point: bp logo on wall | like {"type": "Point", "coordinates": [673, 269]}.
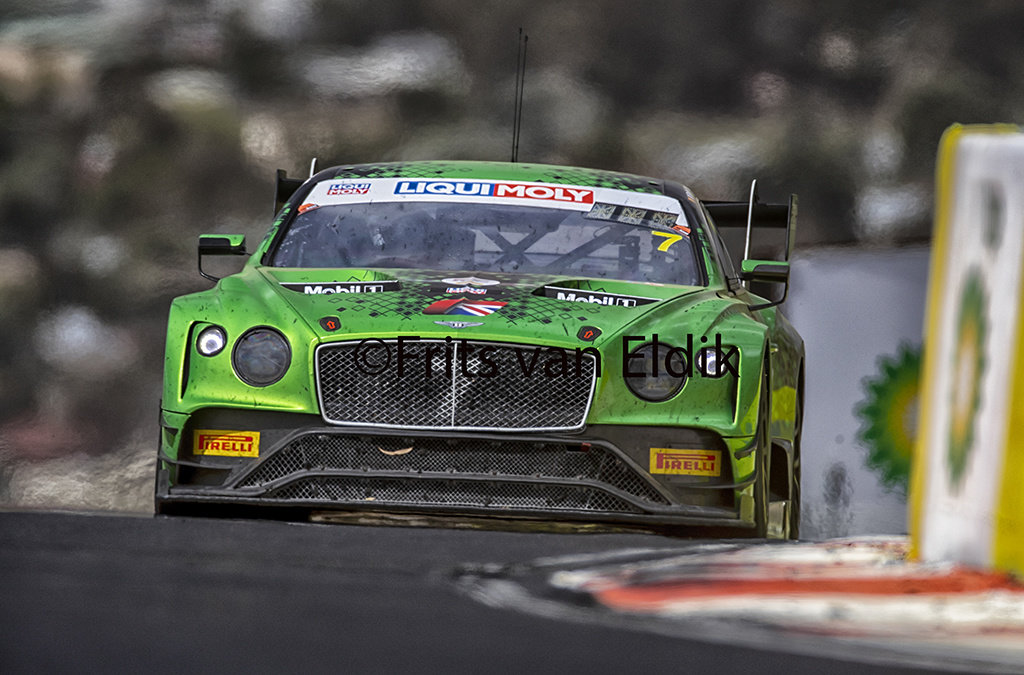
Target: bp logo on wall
{"type": "Point", "coordinates": [968, 367]}
{"type": "Point", "coordinates": [888, 416]}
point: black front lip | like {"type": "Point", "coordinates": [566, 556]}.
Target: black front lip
{"type": "Point", "coordinates": [676, 515]}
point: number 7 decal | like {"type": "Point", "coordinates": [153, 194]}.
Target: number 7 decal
{"type": "Point", "coordinates": [669, 239]}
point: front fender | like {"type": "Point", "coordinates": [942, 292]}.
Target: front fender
{"type": "Point", "coordinates": [237, 304]}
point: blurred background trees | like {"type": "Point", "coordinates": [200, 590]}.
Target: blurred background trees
{"type": "Point", "coordinates": [128, 127]}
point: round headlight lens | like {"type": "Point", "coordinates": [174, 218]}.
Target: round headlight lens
{"type": "Point", "coordinates": [712, 362]}
{"type": "Point", "coordinates": [261, 357]}
{"type": "Point", "coordinates": [671, 371]}
{"type": "Point", "coordinates": [211, 341]}
{"type": "Point", "coordinates": [707, 362]}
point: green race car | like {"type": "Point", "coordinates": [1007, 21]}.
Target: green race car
{"type": "Point", "coordinates": [489, 339]}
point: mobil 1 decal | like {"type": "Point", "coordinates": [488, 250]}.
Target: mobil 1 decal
{"type": "Point", "coordinates": [596, 297]}
{"type": "Point", "coordinates": [333, 287]}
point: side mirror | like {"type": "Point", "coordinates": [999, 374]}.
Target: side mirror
{"type": "Point", "coordinates": [219, 244]}
{"type": "Point", "coordinates": [770, 271]}
{"type": "Point", "coordinates": [767, 271]}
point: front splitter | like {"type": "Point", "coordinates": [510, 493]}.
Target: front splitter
{"type": "Point", "coordinates": [197, 504]}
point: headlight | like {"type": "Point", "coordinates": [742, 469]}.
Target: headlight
{"type": "Point", "coordinates": [668, 363]}
{"type": "Point", "coordinates": [261, 357]}
{"type": "Point", "coordinates": [709, 362]}
{"type": "Point", "coordinates": [211, 341]}
{"type": "Point", "coordinates": [715, 361]}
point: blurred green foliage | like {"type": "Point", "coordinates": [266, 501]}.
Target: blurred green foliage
{"type": "Point", "coordinates": [128, 128]}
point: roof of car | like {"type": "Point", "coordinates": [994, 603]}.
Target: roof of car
{"type": "Point", "coordinates": [539, 173]}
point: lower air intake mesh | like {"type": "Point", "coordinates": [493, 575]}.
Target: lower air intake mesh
{"type": "Point", "coordinates": [429, 456]}
{"type": "Point", "coordinates": [452, 492]}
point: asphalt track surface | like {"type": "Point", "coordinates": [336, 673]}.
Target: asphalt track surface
{"type": "Point", "coordinates": [111, 593]}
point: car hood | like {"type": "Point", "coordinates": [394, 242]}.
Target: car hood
{"type": "Point", "coordinates": [530, 308]}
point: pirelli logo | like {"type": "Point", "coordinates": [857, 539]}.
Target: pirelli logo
{"type": "Point", "coordinates": [226, 443]}
{"type": "Point", "coordinates": [686, 462]}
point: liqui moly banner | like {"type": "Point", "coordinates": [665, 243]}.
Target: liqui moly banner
{"type": "Point", "coordinates": [521, 193]}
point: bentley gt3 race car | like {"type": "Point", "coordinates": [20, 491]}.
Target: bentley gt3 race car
{"type": "Point", "coordinates": [489, 339]}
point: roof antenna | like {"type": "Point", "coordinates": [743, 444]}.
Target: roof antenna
{"type": "Point", "coordinates": [520, 83]}
{"type": "Point", "coordinates": [312, 167]}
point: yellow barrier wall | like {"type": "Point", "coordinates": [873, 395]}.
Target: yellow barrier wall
{"type": "Point", "coordinates": [967, 486]}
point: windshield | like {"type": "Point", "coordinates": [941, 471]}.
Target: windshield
{"type": "Point", "coordinates": [604, 241]}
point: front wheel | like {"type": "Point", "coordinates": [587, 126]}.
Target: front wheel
{"type": "Point", "coordinates": [762, 453]}
{"type": "Point", "coordinates": [159, 488]}
{"type": "Point", "coordinates": [794, 492]}
{"type": "Point", "coordinates": [761, 497]}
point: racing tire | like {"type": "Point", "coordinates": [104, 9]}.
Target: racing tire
{"type": "Point", "coordinates": [159, 489]}
{"type": "Point", "coordinates": [794, 492]}
{"type": "Point", "coordinates": [794, 500]}
{"type": "Point", "coordinates": [762, 451]}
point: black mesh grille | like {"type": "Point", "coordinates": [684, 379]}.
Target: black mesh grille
{"type": "Point", "coordinates": [458, 386]}
{"type": "Point", "coordinates": [456, 493]}
{"type": "Point", "coordinates": [453, 456]}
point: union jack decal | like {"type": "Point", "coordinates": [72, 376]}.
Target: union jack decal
{"type": "Point", "coordinates": [465, 306]}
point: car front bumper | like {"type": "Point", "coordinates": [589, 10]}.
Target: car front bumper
{"type": "Point", "coordinates": [596, 475]}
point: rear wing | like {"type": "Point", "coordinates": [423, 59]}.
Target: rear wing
{"type": "Point", "coordinates": [756, 214]}
{"type": "Point", "coordinates": [285, 187]}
